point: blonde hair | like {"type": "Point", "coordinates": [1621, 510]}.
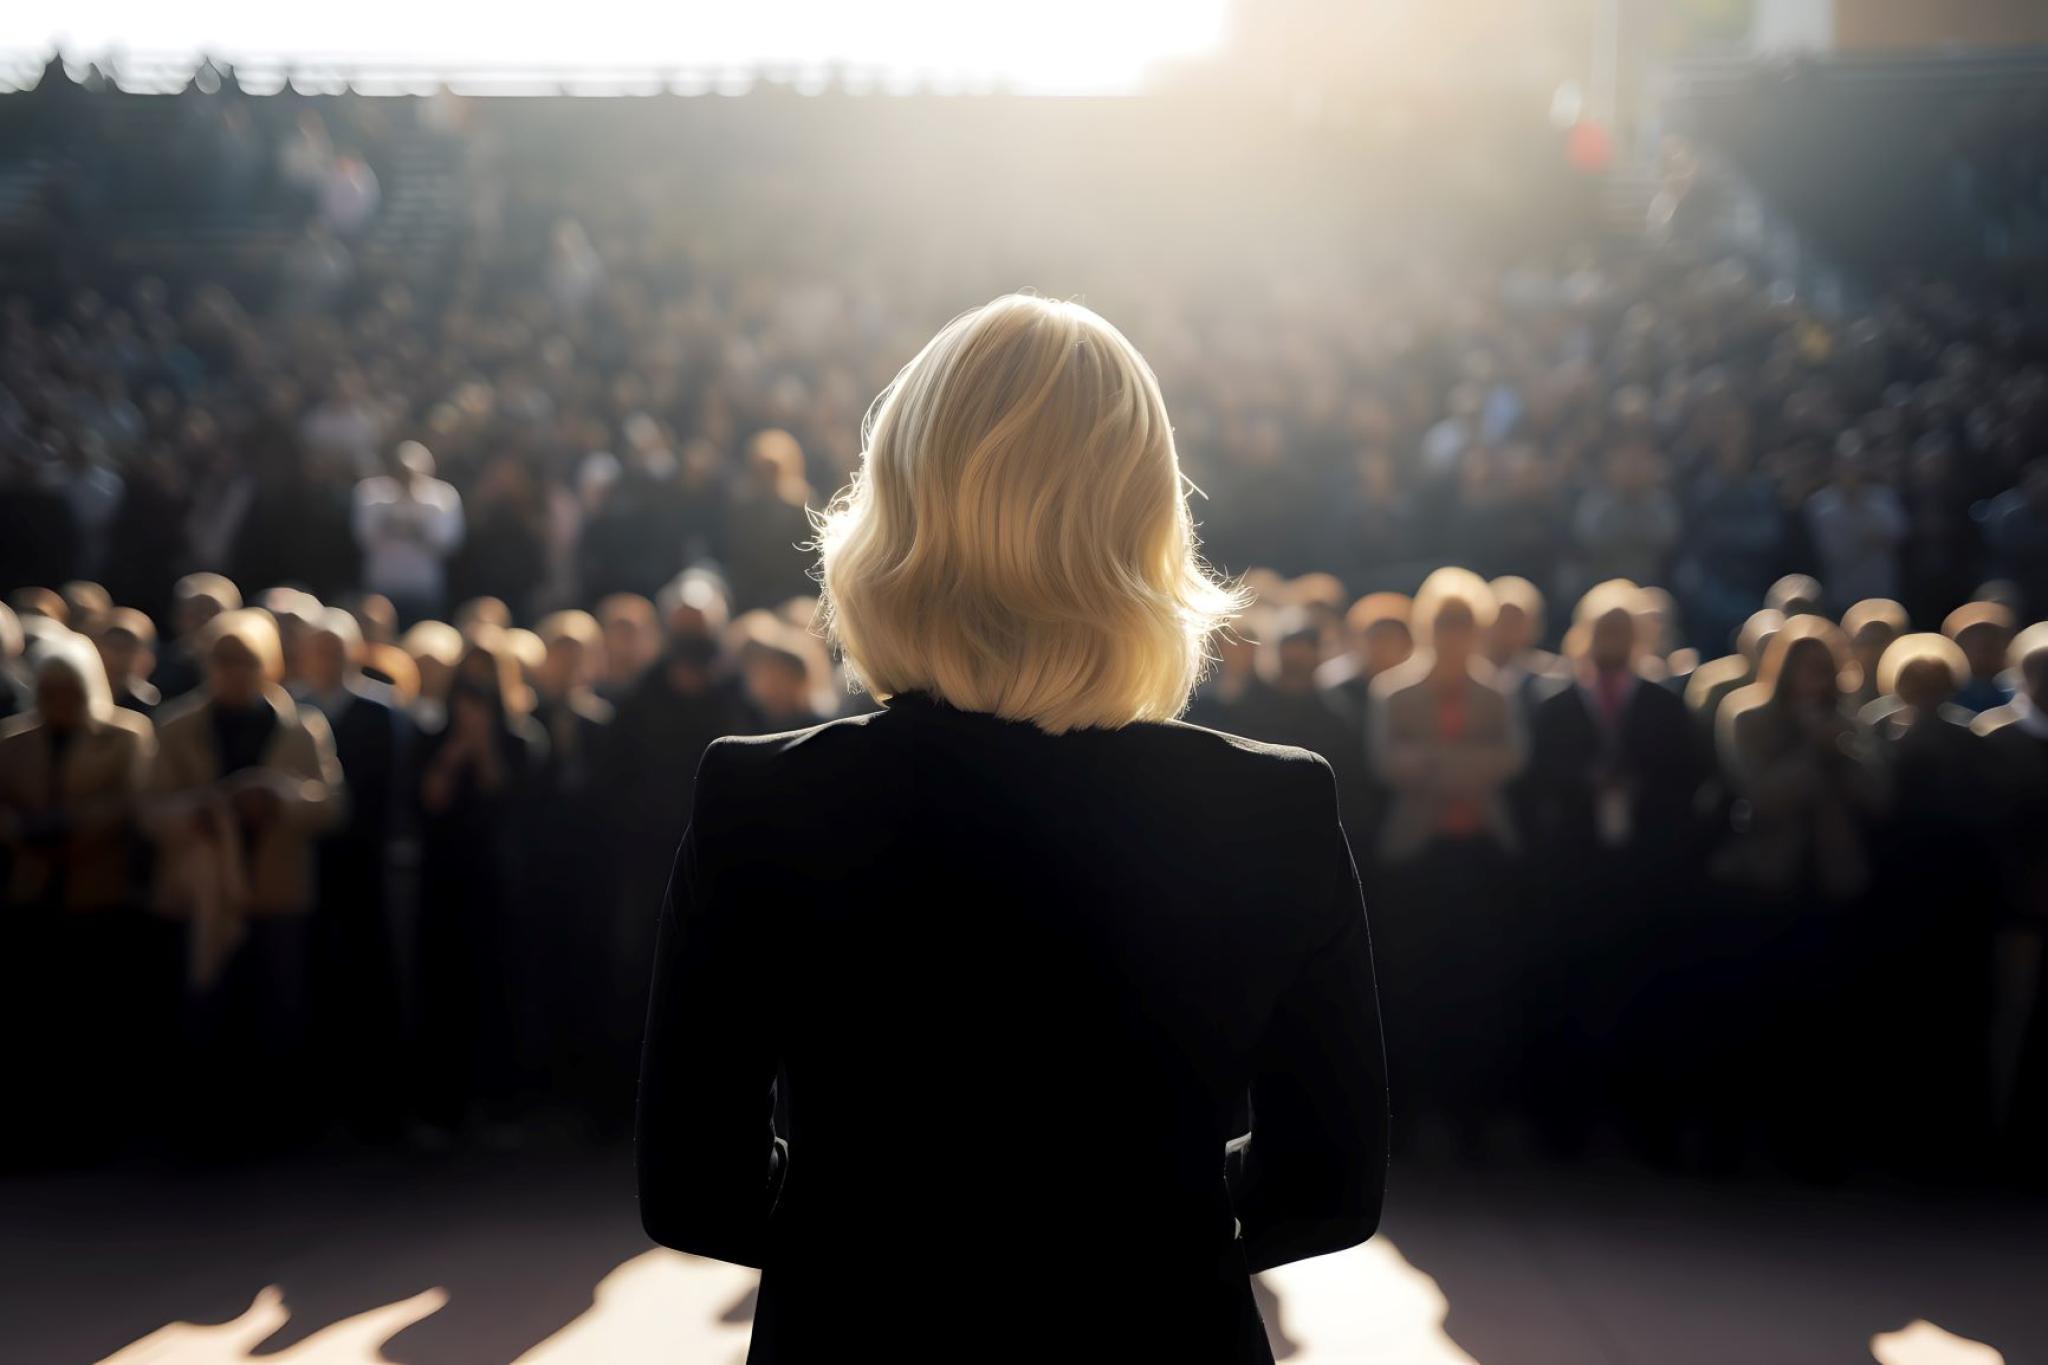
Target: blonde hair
{"type": "Point", "coordinates": [436, 640]}
{"type": "Point", "coordinates": [67, 651]}
{"type": "Point", "coordinates": [1376, 607]}
{"type": "Point", "coordinates": [216, 588]}
{"type": "Point", "coordinates": [344, 627]}
{"type": "Point", "coordinates": [578, 627]}
{"type": "Point", "coordinates": [1016, 538]}
{"type": "Point", "coordinates": [1979, 613]}
{"type": "Point", "coordinates": [1509, 590]}
{"type": "Point", "coordinates": [1602, 600]}
{"type": "Point", "coordinates": [1875, 611]}
{"type": "Point", "coordinates": [256, 630]}
{"type": "Point", "coordinates": [479, 612]}
{"type": "Point", "coordinates": [2029, 642]}
{"type": "Point", "coordinates": [1924, 647]}
{"type": "Point", "coordinates": [1610, 594]}
{"type": "Point", "coordinates": [527, 647]}
{"type": "Point", "coordinates": [1443, 587]}
{"type": "Point", "coordinates": [88, 603]}
{"type": "Point", "coordinates": [1806, 631]}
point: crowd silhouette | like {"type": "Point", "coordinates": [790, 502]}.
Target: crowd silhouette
{"type": "Point", "coordinates": [365, 623]}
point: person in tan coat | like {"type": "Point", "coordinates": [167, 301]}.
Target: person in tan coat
{"type": "Point", "coordinates": [76, 974]}
{"type": "Point", "coordinates": [1446, 740]}
{"type": "Point", "coordinates": [246, 783]}
{"type": "Point", "coordinates": [1806, 778]}
{"type": "Point", "coordinates": [71, 771]}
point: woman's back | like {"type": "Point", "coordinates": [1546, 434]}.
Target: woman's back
{"type": "Point", "coordinates": [1025, 947]}
{"type": "Point", "coordinates": [1019, 984]}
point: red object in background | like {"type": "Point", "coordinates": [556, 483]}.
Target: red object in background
{"type": "Point", "coordinates": [1588, 147]}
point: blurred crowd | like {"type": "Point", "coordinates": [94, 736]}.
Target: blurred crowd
{"type": "Point", "coordinates": [367, 617]}
{"type": "Point", "coordinates": [1783, 905]}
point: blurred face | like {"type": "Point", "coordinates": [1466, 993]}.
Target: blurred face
{"type": "Point", "coordinates": [478, 669]}
{"type": "Point", "coordinates": [1299, 657]}
{"type": "Point", "coordinates": [122, 654]}
{"type": "Point", "coordinates": [434, 676]}
{"type": "Point", "coordinates": [323, 661]}
{"type": "Point", "coordinates": [687, 678]}
{"type": "Point", "coordinates": [234, 675]}
{"type": "Point", "coordinates": [1510, 634]}
{"type": "Point", "coordinates": [1614, 637]}
{"type": "Point", "coordinates": [291, 635]}
{"type": "Point", "coordinates": [195, 612]}
{"type": "Point", "coordinates": [777, 687]}
{"type": "Point", "coordinates": [61, 699]}
{"type": "Point", "coordinates": [625, 646]}
{"type": "Point", "coordinates": [1453, 634]}
{"type": "Point", "coordinates": [1984, 646]}
{"type": "Point", "coordinates": [1810, 674]}
{"type": "Point", "coordinates": [1871, 643]}
{"type": "Point", "coordinates": [688, 620]}
{"type": "Point", "coordinates": [1924, 684]}
{"type": "Point", "coordinates": [1236, 653]}
{"type": "Point", "coordinates": [563, 668]}
{"type": "Point", "coordinates": [1387, 645]}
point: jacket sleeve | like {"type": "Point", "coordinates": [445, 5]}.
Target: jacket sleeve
{"type": "Point", "coordinates": [710, 1164]}
{"type": "Point", "coordinates": [316, 798]}
{"type": "Point", "coordinates": [1312, 1178]}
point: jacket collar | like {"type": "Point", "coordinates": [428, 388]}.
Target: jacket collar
{"type": "Point", "coordinates": [923, 701]}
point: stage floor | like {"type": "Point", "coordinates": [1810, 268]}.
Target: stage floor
{"type": "Point", "coordinates": [537, 1257]}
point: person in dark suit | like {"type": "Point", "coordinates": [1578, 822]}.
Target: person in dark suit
{"type": "Point", "coordinates": [572, 879]}
{"type": "Point", "coordinates": [353, 992]}
{"type": "Point", "coordinates": [1289, 706]}
{"type": "Point", "coordinates": [687, 698]}
{"type": "Point", "coordinates": [127, 645]}
{"type": "Point", "coordinates": [1613, 772]}
{"type": "Point", "coordinates": [1933, 917]}
{"type": "Point", "coordinates": [1018, 905]}
{"type": "Point", "coordinates": [478, 776]}
{"type": "Point", "coordinates": [1382, 640]}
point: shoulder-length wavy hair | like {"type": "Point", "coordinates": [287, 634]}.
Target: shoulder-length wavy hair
{"type": "Point", "coordinates": [1802, 633]}
{"type": "Point", "coordinates": [1017, 539]}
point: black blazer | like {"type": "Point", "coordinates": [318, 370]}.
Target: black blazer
{"type": "Point", "coordinates": [1655, 748]}
{"type": "Point", "coordinates": [1021, 986]}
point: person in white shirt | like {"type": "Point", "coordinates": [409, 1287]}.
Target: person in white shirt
{"type": "Point", "coordinates": [408, 525]}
